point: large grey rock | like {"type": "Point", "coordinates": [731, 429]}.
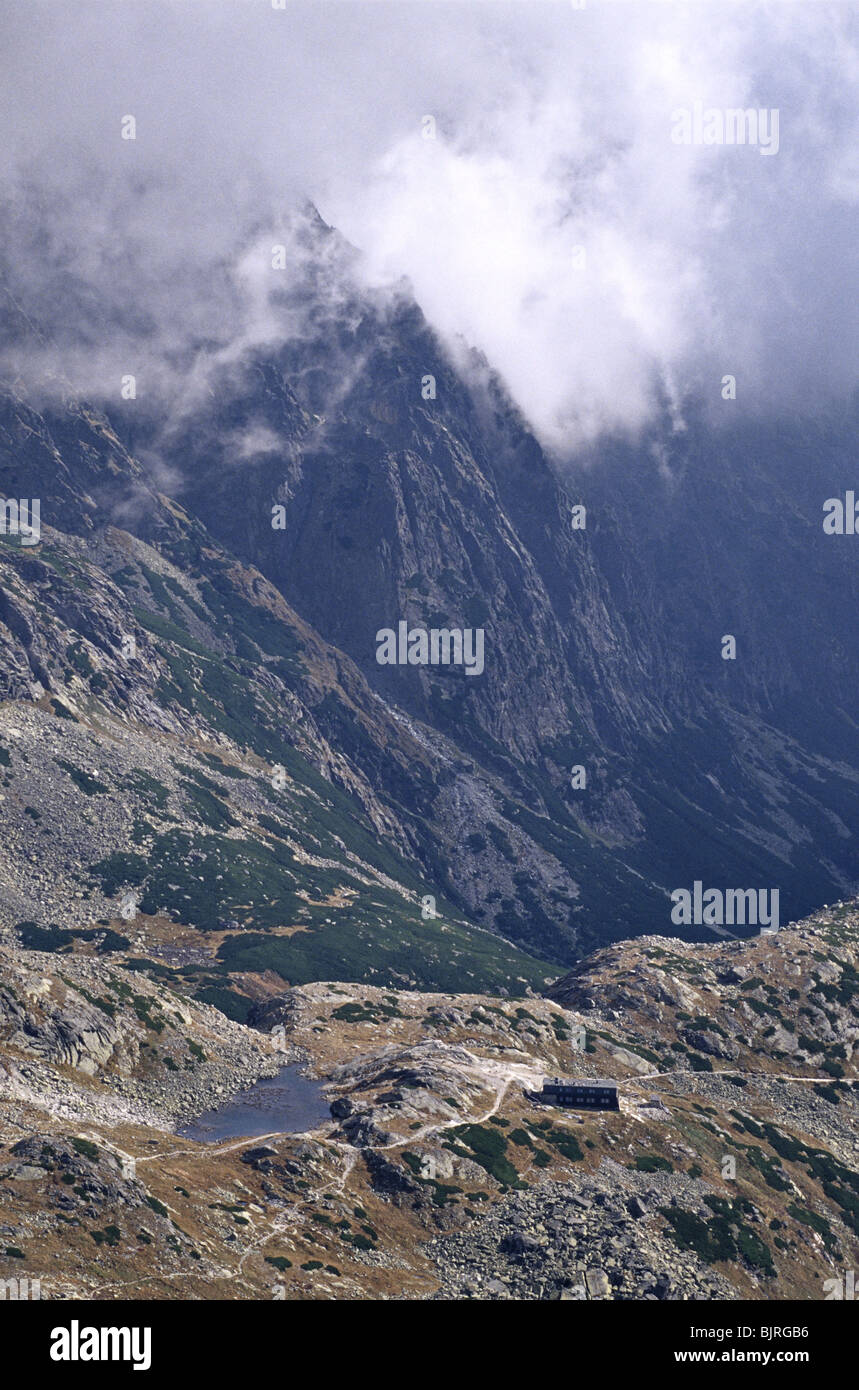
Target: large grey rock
{"type": "Point", "coordinates": [597, 1282]}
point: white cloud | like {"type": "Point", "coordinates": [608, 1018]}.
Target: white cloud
{"type": "Point", "coordinates": [553, 134]}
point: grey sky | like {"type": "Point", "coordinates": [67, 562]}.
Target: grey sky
{"type": "Point", "coordinates": [553, 133]}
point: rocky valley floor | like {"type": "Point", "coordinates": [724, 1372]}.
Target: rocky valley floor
{"type": "Point", "coordinates": [731, 1169]}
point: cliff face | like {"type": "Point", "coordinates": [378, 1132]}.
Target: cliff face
{"type": "Point", "coordinates": [603, 644]}
{"type": "Point", "coordinates": [347, 475]}
{"type": "Point", "coordinates": [214, 800]}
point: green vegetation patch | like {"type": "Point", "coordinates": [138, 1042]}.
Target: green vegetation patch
{"type": "Point", "coordinates": [653, 1163]}
{"type": "Point", "coordinates": [485, 1146]}
{"type": "Point", "coordinates": [86, 1148]}
{"type": "Point", "coordinates": [724, 1236]}
{"type": "Point", "coordinates": [56, 939]}
{"type": "Point", "coordinates": [85, 781]}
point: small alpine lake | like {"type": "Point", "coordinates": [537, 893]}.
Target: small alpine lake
{"type": "Point", "coordinates": [288, 1103]}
